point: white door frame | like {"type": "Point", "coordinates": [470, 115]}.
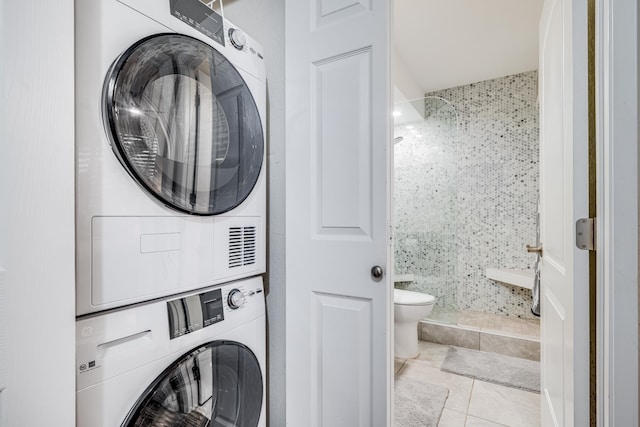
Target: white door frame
{"type": "Point", "coordinates": [617, 224]}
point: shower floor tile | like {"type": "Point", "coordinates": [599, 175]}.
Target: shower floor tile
{"type": "Point", "coordinates": [444, 315]}
{"type": "Point", "coordinates": [487, 322]}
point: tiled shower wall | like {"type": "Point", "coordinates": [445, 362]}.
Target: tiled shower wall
{"type": "Point", "coordinates": [466, 195]}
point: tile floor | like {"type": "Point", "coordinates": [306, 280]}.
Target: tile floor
{"type": "Point", "coordinates": [471, 403]}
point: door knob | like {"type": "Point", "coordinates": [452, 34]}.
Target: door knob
{"type": "Point", "coordinates": [534, 249]}
{"type": "Point", "coordinates": [376, 273]}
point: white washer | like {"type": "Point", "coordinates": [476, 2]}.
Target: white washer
{"type": "Point", "coordinates": [193, 360]}
{"type": "Point", "coordinates": [170, 151]}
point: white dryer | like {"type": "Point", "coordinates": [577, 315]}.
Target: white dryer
{"type": "Point", "coordinates": [195, 360]}
{"type": "Point", "coordinates": [170, 151]}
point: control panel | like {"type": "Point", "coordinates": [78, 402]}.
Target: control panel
{"type": "Point", "coordinates": [210, 23]}
{"type": "Point", "coordinates": [193, 312]}
{"type": "Point", "coordinates": [200, 17]}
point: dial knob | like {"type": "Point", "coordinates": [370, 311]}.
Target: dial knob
{"type": "Point", "coordinates": [235, 299]}
{"type": "Point", "coordinates": [237, 38]}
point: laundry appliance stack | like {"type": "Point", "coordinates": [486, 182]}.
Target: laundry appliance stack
{"type": "Point", "coordinates": [170, 216]}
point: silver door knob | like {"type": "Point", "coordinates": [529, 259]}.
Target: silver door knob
{"type": "Point", "coordinates": [534, 249]}
{"type": "Point", "coordinates": [376, 273]}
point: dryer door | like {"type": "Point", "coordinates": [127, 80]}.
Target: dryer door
{"type": "Point", "coordinates": [218, 384]}
{"type": "Point", "coordinates": [184, 124]}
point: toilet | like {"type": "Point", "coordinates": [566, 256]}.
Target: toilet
{"type": "Point", "coordinates": [409, 308]}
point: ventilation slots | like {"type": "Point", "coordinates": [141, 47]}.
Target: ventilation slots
{"type": "Point", "coordinates": [242, 246]}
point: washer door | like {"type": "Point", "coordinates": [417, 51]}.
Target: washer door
{"type": "Point", "coordinates": [218, 384]}
{"type": "Point", "coordinates": [184, 124]}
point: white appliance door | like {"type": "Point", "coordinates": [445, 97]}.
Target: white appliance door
{"type": "Point", "coordinates": [339, 315]}
{"type": "Point", "coordinates": [564, 269]}
{"type": "Point", "coordinates": [218, 384]}
{"type": "Point", "coordinates": [184, 124]}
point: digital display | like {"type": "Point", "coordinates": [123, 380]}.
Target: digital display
{"type": "Point", "coordinates": [194, 312]}
{"type": "Point", "coordinates": [212, 307]}
{"type": "Point", "coordinates": [200, 17]}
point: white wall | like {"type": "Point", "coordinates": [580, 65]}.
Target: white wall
{"type": "Point", "coordinates": [264, 21]}
{"type": "Point", "coordinates": [404, 81]}
{"type": "Point", "coordinates": [37, 213]}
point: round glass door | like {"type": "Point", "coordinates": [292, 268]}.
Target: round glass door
{"type": "Point", "coordinates": [184, 124]}
{"type": "Point", "coordinates": [218, 385]}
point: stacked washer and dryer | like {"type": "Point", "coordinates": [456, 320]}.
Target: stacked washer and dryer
{"type": "Point", "coordinates": [170, 216]}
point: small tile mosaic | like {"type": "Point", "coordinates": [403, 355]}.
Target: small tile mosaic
{"type": "Point", "coordinates": [466, 190]}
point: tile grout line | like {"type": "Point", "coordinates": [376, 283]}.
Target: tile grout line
{"type": "Point", "coordinates": [466, 412]}
{"type": "Point", "coordinates": [490, 421]}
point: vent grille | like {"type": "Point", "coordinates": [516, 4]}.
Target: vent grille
{"type": "Point", "coordinates": [242, 246]}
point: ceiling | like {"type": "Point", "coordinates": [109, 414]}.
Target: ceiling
{"type": "Point", "coordinates": [446, 43]}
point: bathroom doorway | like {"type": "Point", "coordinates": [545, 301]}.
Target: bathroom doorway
{"type": "Point", "coordinates": [466, 189]}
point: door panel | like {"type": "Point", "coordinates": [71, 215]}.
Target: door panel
{"type": "Point", "coordinates": [344, 377]}
{"type": "Point", "coordinates": [338, 131]}
{"type": "Point", "coordinates": [342, 139]}
{"type": "Point", "coordinates": [330, 11]}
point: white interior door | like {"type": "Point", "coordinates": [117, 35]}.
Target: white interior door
{"type": "Point", "coordinates": [338, 136]}
{"type": "Point", "coordinates": [564, 199]}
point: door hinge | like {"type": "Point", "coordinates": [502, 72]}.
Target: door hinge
{"type": "Point", "coordinates": [586, 234]}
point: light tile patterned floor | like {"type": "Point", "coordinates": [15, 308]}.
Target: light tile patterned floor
{"type": "Point", "coordinates": [471, 403]}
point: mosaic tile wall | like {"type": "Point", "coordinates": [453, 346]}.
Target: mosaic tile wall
{"type": "Point", "coordinates": [466, 195]}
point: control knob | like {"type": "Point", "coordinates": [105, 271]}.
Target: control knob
{"type": "Point", "coordinates": [237, 38]}
{"type": "Point", "coordinates": [235, 299]}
